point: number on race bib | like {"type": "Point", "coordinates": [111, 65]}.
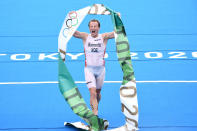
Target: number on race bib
{"type": "Point", "coordinates": [94, 49]}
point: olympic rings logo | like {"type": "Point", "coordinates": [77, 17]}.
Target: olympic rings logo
{"type": "Point", "coordinates": [70, 22]}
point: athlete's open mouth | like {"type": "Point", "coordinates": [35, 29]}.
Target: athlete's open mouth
{"type": "Point", "coordinates": [93, 31]}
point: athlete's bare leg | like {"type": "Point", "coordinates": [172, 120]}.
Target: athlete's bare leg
{"type": "Point", "coordinates": [93, 100]}
{"type": "Point", "coordinates": [98, 95]}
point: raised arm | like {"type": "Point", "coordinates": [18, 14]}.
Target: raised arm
{"type": "Point", "coordinates": [109, 35]}
{"type": "Point", "coordinates": [81, 35]}
{"type": "Point", "coordinates": [106, 36]}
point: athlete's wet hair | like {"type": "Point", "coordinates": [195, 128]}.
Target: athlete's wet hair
{"type": "Point", "coordinates": [94, 20]}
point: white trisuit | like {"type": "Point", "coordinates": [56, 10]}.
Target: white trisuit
{"type": "Point", "coordinates": [94, 49]}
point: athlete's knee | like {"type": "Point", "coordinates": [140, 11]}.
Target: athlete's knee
{"type": "Point", "coordinates": [93, 92]}
{"type": "Point", "coordinates": [98, 91]}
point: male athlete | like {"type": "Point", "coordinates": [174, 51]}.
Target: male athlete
{"type": "Point", "coordinates": [94, 49]}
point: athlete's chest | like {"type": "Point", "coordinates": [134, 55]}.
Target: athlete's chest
{"type": "Point", "coordinates": [94, 45]}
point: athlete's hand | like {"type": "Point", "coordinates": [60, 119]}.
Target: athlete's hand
{"type": "Point", "coordinates": [72, 12]}
{"type": "Point", "coordinates": [118, 13]}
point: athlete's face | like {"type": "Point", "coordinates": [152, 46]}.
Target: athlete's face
{"type": "Point", "coordinates": [94, 29]}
